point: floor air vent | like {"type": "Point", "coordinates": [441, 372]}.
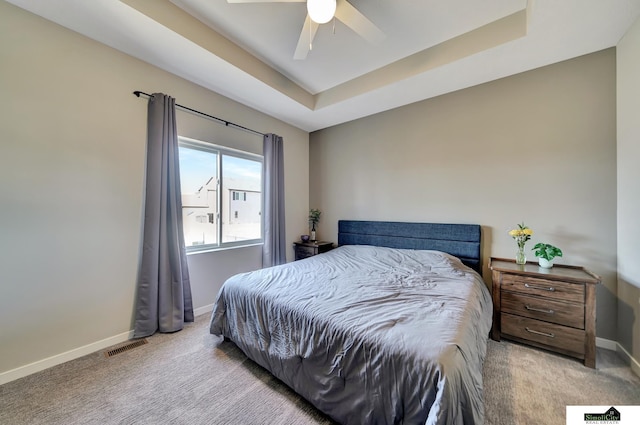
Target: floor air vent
{"type": "Point", "coordinates": [126, 347]}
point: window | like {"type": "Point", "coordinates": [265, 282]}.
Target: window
{"type": "Point", "coordinates": [221, 196]}
{"type": "Point", "coordinates": [237, 196]}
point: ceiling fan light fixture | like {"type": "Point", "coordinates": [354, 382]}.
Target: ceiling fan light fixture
{"type": "Point", "coordinates": [321, 11]}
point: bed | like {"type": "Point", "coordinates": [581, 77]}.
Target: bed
{"type": "Point", "coordinates": [389, 327]}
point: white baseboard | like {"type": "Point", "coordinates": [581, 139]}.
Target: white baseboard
{"type": "Point", "coordinates": [22, 371]}
{"type": "Point", "coordinates": [614, 346]}
{"type": "Point", "coordinates": [635, 365]}
{"type": "Point", "coordinates": [203, 310]}
{"type": "Point", "coordinates": [606, 344]}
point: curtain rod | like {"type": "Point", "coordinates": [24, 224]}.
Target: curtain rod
{"type": "Point", "coordinates": [137, 93]}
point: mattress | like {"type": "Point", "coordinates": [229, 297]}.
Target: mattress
{"type": "Point", "coordinates": [369, 335]}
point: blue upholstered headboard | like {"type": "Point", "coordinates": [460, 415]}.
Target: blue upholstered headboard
{"type": "Point", "coordinates": [460, 240]}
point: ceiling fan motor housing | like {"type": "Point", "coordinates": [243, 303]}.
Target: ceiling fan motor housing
{"type": "Point", "coordinates": [321, 11]}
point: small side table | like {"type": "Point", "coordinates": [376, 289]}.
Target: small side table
{"type": "Point", "coordinates": [309, 249]}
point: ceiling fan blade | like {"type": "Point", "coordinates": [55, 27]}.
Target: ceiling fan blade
{"type": "Point", "coordinates": [307, 35]}
{"type": "Point", "coordinates": [355, 20]}
{"type": "Point", "coordinates": [266, 1]}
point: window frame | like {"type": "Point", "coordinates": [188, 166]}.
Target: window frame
{"type": "Point", "coordinates": [185, 142]}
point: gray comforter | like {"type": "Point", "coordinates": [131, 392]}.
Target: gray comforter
{"type": "Point", "coordinates": [369, 335]}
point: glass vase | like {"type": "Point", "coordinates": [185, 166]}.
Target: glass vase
{"type": "Point", "coordinates": [521, 258]}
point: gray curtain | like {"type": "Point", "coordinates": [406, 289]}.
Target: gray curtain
{"type": "Point", "coordinates": [163, 301]}
{"type": "Point", "coordinates": [274, 251]}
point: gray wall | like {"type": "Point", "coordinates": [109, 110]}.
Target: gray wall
{"type": "Point", "coordinates": [538, 147]}
{"type": "Point", "coordinates": [628, 66]}
{"type": "Point", "coordinates": [72, 162]}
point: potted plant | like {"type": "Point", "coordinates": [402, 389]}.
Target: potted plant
{"type": "Point", "coordinates": [314, 218]}
{"type": "Point", "coordinates": [546, 253]}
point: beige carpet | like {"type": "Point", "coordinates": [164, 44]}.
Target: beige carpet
{"type": "Point", "coordinates": [524, 385]}
{"type": "Point", "coordinates": [191, 378]}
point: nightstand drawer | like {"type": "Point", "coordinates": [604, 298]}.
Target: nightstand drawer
{"type": "Point", "coordinates": [552, 335]}
{"type": "Point", "coordinates": [304, 252]}
{"type": "Point", "coordinates": [543, 287]}
{"type": "Point", "coordinates": [562, 313]}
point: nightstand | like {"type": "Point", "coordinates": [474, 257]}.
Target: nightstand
{"type": "Point", "coordinates": [553, 309]}
{"type": "Point", "coordinates": [309, 249]}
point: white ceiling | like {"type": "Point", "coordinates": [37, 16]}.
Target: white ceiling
{"type": "Point", "coordinates": [432, 47]}
{"type": "Point", "coordinates": [270, 31]}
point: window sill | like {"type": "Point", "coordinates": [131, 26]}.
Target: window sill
{"type": "Point", "coordinates": [224, 248]}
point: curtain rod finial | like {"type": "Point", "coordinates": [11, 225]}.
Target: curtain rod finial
{"type": "Point", "coordinates": [137, 93]}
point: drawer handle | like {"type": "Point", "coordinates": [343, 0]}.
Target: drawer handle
{"type": "Point", "coordinates": [539, 333]}
{"type": "Point", "coordinates": [540, 310]}
{"type": "Point", "coordinates": [551, 289]}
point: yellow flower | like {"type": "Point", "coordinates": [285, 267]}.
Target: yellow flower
{"type": "Point", "coordinates": [522, 234]}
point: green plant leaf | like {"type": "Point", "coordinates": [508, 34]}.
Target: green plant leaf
{"type": "Point", "coordinates": [547, 251]}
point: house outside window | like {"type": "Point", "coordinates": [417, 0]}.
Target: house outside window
{"type": "Point", "coordinates": [221, 192]}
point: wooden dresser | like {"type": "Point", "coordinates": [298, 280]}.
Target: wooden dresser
{"type": "Point", "coordinates": [554, 309]}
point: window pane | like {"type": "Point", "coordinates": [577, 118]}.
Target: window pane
{"type": "Point", "coordinates": [199, 185]}
{"type": "Point", "coordinates": [241, 199]}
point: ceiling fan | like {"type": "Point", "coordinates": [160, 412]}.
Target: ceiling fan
{"type": "Point", "coordinates": [322, 11]}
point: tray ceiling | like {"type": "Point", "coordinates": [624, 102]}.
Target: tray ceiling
{"type": "Point", "coordinates": [245, 50]}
